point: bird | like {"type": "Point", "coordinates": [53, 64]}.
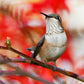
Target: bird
{"type": "Point", "coordinates": [54, 43]}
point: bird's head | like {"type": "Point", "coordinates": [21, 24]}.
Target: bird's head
{"type": "Point", "coordinates": [53, 21]}
{"type": "Point", "coordinates": [52, 16]}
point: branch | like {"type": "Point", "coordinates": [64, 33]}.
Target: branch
{"type": "Point", "coordinates": [4, 59]}
{"type": "Point", "coordinates": [59, 79]}
{"type": "Point", "coordinates": [68, 73]}
{"type": "Point", "coordinates": [21, 72]}
{"type": "Point", "coordinates": [1, 82]}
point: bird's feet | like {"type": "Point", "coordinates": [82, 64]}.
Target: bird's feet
{"type": "Point", "coordinates": [55, 68]}
{"type": "Point", "coordinates": [45, 64]}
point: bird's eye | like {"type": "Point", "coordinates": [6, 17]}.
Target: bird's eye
{"type": "Point", "coordinates": [58, 17]}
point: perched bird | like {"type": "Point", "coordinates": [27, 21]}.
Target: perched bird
{"type": "Point", "coordinates": [53, 44]}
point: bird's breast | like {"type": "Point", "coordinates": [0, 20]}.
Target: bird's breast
{"type": "Point", "coordinates": [56, 39]}
{"type": "Point", "coordinates": [51, 53]}
{"type": "Point", "coordinates": [54, 46]}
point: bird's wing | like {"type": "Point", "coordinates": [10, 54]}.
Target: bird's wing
{"type": "Point", "coordinates": [38, 47]}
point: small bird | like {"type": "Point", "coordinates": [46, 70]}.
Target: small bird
{"type": "Point", "coordinates": [53, 44]}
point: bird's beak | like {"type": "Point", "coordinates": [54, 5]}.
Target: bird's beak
{"type": "Point", "coordinates": [45, 14]}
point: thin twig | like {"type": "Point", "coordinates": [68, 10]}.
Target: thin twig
{"type": "Point", "coordinates": [1, 82]}
{"type": "Point", "coordinates": [59, 79]}
{"type": "Point", "coordinates": [4, 59]}
{"type": "Point", "coordinates": [68, 73]}
{"type": "Point", "coordinates": [20, 72]}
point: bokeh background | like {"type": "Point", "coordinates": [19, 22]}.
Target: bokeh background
{"type": "Point", "coordinates": [21, 21]}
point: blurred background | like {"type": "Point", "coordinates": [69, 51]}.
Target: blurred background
{"type": "Point", "coordinates": [21, 21]}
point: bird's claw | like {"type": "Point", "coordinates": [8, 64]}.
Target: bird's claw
{"type": "Point", "coordinates": [55, 68]}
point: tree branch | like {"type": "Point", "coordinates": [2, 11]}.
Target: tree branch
{"type": "Point", "coordinates": [1, 82]}
{"type": "Point", "coordinates": [21, 72]}
{"type": "Point", "coordinates": [4, 59]}
{"type": "Point", "coordinates": [68, 73]}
